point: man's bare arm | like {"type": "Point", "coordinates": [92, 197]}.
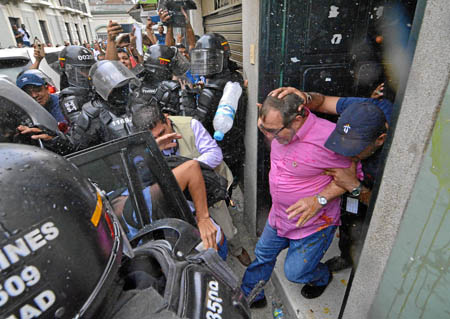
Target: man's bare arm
{"type": "Point", "coordinates": [189, 175]}
{"type": "Point", "coordinates": [114, 29]}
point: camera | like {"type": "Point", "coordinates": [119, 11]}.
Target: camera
{"type": "Point", "coordinates": [174, 9]}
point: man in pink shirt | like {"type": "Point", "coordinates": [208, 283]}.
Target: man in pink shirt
{"type": "Point", "coordinates": [305, 202]}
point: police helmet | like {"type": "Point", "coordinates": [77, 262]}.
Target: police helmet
{"type": "Point", "coordinates": [164, 61]}
{"type": "Point", "coordinates": [61, 247]}
{"type": "Point", "coordinates": [210, 55]}
{"type": "Point", "coordinates": [75, 62]}
{"type": "Point", "coordinates": [108, 78]}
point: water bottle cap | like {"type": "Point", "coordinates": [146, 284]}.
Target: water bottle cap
{"type": "Point", "coordinates": [218, 136]}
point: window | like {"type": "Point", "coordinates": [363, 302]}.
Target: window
{"type": "Point", "coordinates": [86, 33]}
{"type": "Point", "coordinates": [68, 32]}
{"type": "Point", "coordinates": [78, 32]}
{"type": "Point", "coordinates": [43, 26]}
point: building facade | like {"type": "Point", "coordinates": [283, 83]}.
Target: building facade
{"type": "Point", "coordinates": [53, 21]}
{"type": "Point", "coordinates": [105, 10]}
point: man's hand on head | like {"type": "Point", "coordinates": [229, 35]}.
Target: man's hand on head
{"type": "Point", "coordinates": [208, 232]}
{"type": "Point", "coordinates": [306, 207]}
{"type": "Point", "coordinates": [36, 133]}
{"type": "Point", "coordinates": [167, 141]}
{"type": "Point", "coordinates": [283, 91]}
{"type": "Point", "coordinates": [344, 177]}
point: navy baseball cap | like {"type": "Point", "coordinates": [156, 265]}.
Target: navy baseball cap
{"type": "Point", "coordinates": [358, 126]}
{"type": "Point", "coordinates": [29, 79]}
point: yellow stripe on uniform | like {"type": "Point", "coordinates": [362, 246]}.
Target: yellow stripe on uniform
{"type": "Point", "coordinates": [95, 219]}
{"type": "Point", "coordinates": [223, 43]}
{"type": "Point", "coordinates": [167, 60]}
{"type": "Point", "coordinates": [62, 59]}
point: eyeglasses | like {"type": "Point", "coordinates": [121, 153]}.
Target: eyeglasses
{"type": "Point", "coordinates": [271, 131]}
{"type": "Point", "coordinates": [33, 89]}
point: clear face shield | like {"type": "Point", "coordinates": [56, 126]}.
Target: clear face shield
{"type": "Point", "coordinates": [206, 62]}
{"type": "Point", "coordinates": [78, 75]}
{"type": "Point", "coordinates": [110, 76]}
{"type": "Point", "coordinates": [180, 64]}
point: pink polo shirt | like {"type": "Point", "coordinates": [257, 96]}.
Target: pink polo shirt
{"type": "Point", "coordinates": [296, 172]}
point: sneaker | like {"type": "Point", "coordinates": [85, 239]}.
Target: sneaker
{"type": "Point", "coordinates": [310, 292]}
{"type": "Point", "coordinates": [261, 303]}
{"type": "Point", "coordinates": [338, 263]}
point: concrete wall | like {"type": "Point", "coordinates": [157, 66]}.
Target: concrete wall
{"type": "Point", "coordinates": [250, 38]}
{"type": "Point", "coordinates": [427, 82]}
{"type": "Point", "coordinates": [197, 19]}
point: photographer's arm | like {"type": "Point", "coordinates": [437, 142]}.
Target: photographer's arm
{"type": "Point", "coordinates": [114, 29]}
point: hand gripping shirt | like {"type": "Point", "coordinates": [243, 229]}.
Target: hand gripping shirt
{"type": "Point", "coordinates": [297, 171]}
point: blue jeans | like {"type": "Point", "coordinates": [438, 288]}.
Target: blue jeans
{"type": "Point", "coordinates": [302, 264]}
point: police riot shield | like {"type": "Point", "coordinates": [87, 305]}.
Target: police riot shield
{"type": "Point", "coordinates": [18, 108]}
{"type": "Point", "coordinates": [137, 180]}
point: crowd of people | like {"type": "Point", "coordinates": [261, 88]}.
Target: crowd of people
{"type": "Point", "coordinates": [321, 172]}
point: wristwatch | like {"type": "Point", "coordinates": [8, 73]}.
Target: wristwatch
{"type": "Point", "coordinates": [357, 190]}
{"type": "Point", "coordinates": [322, 200]}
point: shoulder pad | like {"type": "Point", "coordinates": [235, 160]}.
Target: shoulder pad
{"type": "Point", "coordinates": [171, 85]}
{"type": "Point", "coordinates": [216, 84]}
{"type": "Point", "coordinates": [83, 121]}
{"type": "Point", "coordinates": [71, 90]}
{"type": "Point", "coordinates": [91, 110]}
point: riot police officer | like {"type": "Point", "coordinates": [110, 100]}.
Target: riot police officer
{"type": "Point", "coordinates": [62, 245]}
{"type": "Point", "coordinates": [107, 115]}
{"type": "Point", "coordinates": [211, 59]}
{"type": "Point", "coordinates": [160, 64]}
{"type": "Point", "coordinates": [75, 62]}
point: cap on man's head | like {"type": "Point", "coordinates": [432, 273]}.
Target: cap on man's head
{"type": "Point", "coordinates": [29, 79]}
{"type": "Point", "coordinates": [358, 126]}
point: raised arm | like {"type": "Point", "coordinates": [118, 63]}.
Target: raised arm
{"type": "Point", "coordinates": [314, 101]}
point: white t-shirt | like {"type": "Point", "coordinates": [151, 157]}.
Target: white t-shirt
{"type": "Point", "coordinates": [25, 37]}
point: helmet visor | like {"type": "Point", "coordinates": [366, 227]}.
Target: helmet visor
{"type": "Point", "coordinates": [180, 64]}
{"type": "Point", "coordinates": [108, 76]}
{"type": "Point", "coordinates": [78, 75]}
{"type": "Point", "coordinates": [206, 62]}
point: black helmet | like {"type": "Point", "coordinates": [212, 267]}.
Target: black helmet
{"type": "Point", "coordinates": [75, 62]}
{"type": "Point", "coordinates": [163, 61]}
{"type": "Point", "coordinates": [211, 55]}
{"type": "Point", "coordinates": [111, 80]}
{"type": "Point", "coordinates": [60, 245]}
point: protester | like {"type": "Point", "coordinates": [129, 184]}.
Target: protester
{"type": "Point", "coordinates": [195, 143]}
{"type": "Point", "coordinates": [366, 121]}
{"type": "Point", "coordinates": [36, 87]}
{"type": "Point", "coordinates": [305, 202]}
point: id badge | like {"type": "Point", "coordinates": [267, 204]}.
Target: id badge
{"type": "Point", "coordinates": [352, 205]}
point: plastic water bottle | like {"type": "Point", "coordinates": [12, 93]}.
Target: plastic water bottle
{"type": "Point", "coordinates": [223, 120]}
{"type": "Point", "coordinates": [277, 310]}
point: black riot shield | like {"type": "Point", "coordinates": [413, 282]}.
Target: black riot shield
{"type": "Point", "coordinates": [133, 167]}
